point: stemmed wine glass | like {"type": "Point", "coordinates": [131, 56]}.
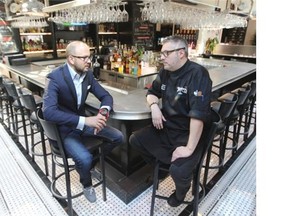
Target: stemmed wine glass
{"type": "Point", "coordinates": [144, 14]}
{"type": "Point", "coordinates": [118, 14]}
{"type": "Point", "coordinates": [125, 15]}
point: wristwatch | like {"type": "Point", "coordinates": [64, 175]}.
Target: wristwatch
{"type": "Point", "coordinates": [104, 112]}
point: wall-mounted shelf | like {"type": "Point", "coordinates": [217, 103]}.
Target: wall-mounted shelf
{"type": "Point", "coordinates": [64, 50]}
{"type": "Point", "coordinates": [38, 51]}
{"type": "Point", "coordinates": [113, 33]}
{"type": "Point", "coordinates": [36, 34]}
{"type": "Point", "coordinates": [107, 33]}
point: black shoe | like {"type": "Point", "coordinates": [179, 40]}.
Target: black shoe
{"type": "Point", "coordinates": [173, 201]}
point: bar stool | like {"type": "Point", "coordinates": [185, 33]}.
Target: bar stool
{"type": "Point", "coordinates": [6, 104]}
{"type": "Point", "coordinates": [235, 119]}
{"type": "Point", "coordinates": [16, 109]}
{"type": "Point", "coordinates": [51, 131]}
{"type": "Point", "coordinates": [28, 101]}
{"type": "Point", "coordinates": [251, 108]}
{"type": "Point", "coordinates": [206, 140]}
{"type": "Point", "coordinates": [3, 99]}
{"type": "Point", "coordinates": [224, 108]}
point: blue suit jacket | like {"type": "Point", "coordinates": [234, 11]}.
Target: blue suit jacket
{"type": "Point", "coordinates": [60, 99]}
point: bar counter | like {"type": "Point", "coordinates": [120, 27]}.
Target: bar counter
{"type": "Point", "coordinates": [127, 173]}
{"type": "Point", "coordinates": [131, 104]}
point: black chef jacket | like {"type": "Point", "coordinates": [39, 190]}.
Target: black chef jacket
{"type": "Point", "coordinates": [185, 94]}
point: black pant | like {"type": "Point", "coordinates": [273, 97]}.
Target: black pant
{"type": "Point", "coordinates": [180, 170]}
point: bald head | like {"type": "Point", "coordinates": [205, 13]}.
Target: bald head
{"type": "Point", "coordinates": [76, 48]}
{"type": "Point", "coordinates": [78, 56]}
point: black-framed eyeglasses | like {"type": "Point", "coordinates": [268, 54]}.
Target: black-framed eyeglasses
{"type": "Point", "coordinates": [166, 53]}
{"type": "Point", "coordinates": [84, 58]}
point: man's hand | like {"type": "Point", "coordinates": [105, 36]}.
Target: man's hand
{"type": "Point", "coordinates": [98, 122]}
{"type": "Point", "coordinates": [181, 152]}
{"type": "Point", "coordinates": [104, 112]}
{"type": "Point", "coordinates": [157, 117]}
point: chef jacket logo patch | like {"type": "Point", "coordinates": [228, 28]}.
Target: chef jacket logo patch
{"type": "Point", "coordinates": [198, 93]}
{"type": "Point", "coordinates": [163, 87]}
{"type": "Point", "coordinates": [181, 90]}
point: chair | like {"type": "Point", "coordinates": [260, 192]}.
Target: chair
{"type": "Point", "coordinates": [6, 104]}
{"type": "Point", "coordinates": [242, 108]}
{"type": "Point", "coordinates": [4, 99]}
{"type": "Point", "coordinates": [224, 108]}
{"type": "Point", "coordinates": [232, 120]}
{"type": "Point", "coordinates": [16, 109]}
{"type": "Point", "coordinates": [206, 141]}
{"type": "Point", "coordinates": [250, 110]}
{"type": "Point", "coordinates": [52, 133]}
{"type": "Point", "coordinates": [28, 101]}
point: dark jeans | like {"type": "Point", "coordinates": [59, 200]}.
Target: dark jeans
{"type": "Point", "coordinates": [82, 158]}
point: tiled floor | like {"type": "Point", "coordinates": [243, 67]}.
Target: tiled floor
{"type": "Point", "coordinates": [22, 191]}
{"type": "Point", "coordinates": [233, 195]}
{"type": "Point", "coordinates": [235, 192]}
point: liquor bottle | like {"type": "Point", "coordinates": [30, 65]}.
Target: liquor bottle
{"type": "Point", "coordinates": [24, 44]}
{"type": "Point", "coordinates": [120, 65]}
{"type": "Point", "coordinates": [127, 65]}
{"type": "Point", "coordinates": [111, 60]}
{"type": "Point", "coordinates": [139, 69]}
{"type": "Point", "coordinates": [96, 68]}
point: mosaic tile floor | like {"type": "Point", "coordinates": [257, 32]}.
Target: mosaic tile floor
{"type": "Point", "coordinates": [13, 205]}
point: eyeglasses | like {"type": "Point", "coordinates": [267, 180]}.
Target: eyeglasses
{"type": "Point", "coordinates": [84, 58]}
{"type": "Point", "coordinates": [166, 53]}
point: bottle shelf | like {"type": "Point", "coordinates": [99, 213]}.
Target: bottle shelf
{"type": "Point", "coordinates": [64, 50]}
{"type": "Point", "coordinates": [107, 33]}
{"type": "Point", "coordinates": [6, 35]}
{"type": "Point", "coordinates": [36, 34]}
{"type": "Point", "coordinates": [114, 33]}
{"type": "Point", "coordinates": [37, 51]}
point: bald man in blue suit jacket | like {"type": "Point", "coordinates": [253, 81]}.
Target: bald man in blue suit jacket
{"type": "Point", "coordinates": [66, 90]}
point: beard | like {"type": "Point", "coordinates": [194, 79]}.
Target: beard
{"type": "Point", "coordinates": [83, 69]}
